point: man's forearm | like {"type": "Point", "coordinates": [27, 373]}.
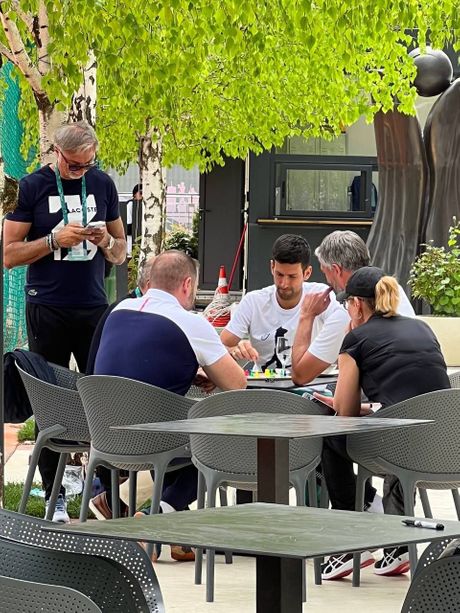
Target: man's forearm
{"type": "Point", "coordinates": [117, 253]}
{"type": "Point", "coordinates": [302, 339]}
{"type": "Point", "coordinates": [21, 253]}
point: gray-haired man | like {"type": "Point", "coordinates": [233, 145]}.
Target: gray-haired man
{"type": "Point", "coordinates": [343, 252]}
{"type": "Point", "coordinates": [68, 212]}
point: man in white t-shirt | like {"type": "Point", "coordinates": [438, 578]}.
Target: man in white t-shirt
{"type": "Point", "coordinates": [273, 312]}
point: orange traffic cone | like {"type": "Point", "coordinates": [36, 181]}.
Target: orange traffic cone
{"type": "Point", "coordinates": [218, 311]}
{"type": "Point", "coordinates": [222, 285]}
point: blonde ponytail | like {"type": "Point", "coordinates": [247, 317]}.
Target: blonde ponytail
{"type": "Point", "coordinates": [387, 296]}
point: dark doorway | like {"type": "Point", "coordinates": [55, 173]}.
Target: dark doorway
{"type": "Point", "coordinates": [221, 222]}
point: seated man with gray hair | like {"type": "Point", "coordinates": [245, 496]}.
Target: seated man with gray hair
{"type": "Point", "coordinates": [343, 252]}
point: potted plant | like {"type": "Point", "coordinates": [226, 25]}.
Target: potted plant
{"type": "Point", "coordinates": [435, 277]}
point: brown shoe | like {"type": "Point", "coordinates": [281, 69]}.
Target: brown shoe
{"type": "Point", "coordinates": [100, 507]}
{"type": "Point", "coordinates": [180, 553]}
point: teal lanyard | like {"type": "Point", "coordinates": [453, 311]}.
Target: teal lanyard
{"type": "Point", "coordinates": [65, 212]}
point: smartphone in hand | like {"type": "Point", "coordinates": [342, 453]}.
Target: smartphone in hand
{"type": "Point", "coordinates": [309, 395]}
{"type": "Point", "coordinates": [96, 225]}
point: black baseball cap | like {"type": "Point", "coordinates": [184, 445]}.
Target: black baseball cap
{"type": "Point", "coordinates": [362, 283]}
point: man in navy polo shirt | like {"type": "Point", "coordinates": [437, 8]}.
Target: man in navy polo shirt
{"type": "Point", "coordinates": [157, 340]}
{"type": "Point", "coordinates": [65, 225]}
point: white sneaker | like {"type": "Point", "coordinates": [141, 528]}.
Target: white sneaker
{"type": "Point", "coordinates": [394, 562]}
{"type": "Point", "coordinates": [376, 506]}
{"type": "Point", "coordinates": [60, 515]}
{"type": "Point", "coordinates": [340, 566]}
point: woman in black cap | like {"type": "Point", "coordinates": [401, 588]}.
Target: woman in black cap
{"type": "Point", "coordinates": [390, 358]}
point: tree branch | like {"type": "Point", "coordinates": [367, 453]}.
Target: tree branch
{"type": "Point", "coordinates": [26, 18]}
{"type": "Point", "coordinates": [21, 57]}
{"type": "Point", "coordinates": [7, 53]}
{"type": "Point", "coordinates": [42, 38]}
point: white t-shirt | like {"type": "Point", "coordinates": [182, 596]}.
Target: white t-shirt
{"type": "Point", "coordinates": [259, 316]}
{"type": "Point", "coordinates": [203, 338]}
{"type": "Point", "coordinates": [405, 308]}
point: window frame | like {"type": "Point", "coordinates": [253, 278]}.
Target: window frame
{"type": "Point", "coordinates": [363, 165]}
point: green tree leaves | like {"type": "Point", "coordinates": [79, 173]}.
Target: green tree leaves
{"type": "Point", "coordinates": [222, 79]}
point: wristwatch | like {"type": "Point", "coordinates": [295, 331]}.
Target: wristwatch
{"type": "Point", "coordinates": [111, 243]}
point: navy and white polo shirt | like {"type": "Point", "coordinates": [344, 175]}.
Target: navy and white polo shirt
{"type": "Point", "coordinates": [155, 340]}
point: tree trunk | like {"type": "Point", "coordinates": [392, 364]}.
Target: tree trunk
{"type": "Point", "coordinates": [9, 188]}
{"type": "Point", "coordinates": [49, 120]}
{"type": "Point", "coordinates": [153, 192]}
{"type": "Point", "coordinates": [84, 100]}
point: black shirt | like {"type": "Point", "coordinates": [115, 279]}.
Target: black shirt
{"type": "Point", "coordinates": [53, 279]}
{"type": "Point", "coordinates": [398, 358]}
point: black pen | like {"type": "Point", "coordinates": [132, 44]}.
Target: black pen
{"type": "Point", "coordinates": [422, 523]}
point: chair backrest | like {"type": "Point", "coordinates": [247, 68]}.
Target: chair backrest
{"type": "Point", "coordinates": [435, 588]}
{"type": "Point", "coordinates": [239, 454]}
{"type": "Point", "coordinates": [54, 405]}
{"type": "Point", "coordinates": [66, 377]}
{"type": "Point", "coordinates": [19, 596]}
{"type": "Point", "coordinates": [430, 448]}
{"type": "Point", "coordinates": [108, 584]}
{"type": "Point", "coordinates": [454, 379]}
{"type": "Point", "coordinates": [27, 529]}
{"type": "Point", "coordinates": [198, 393]}
{"type": "Point", "coordinates": [432, 553]}
{"type": "Point", "coordinates": [115, 401]}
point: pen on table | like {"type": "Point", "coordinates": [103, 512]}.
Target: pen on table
{"type": "Point", "coordinates": [421, 523]}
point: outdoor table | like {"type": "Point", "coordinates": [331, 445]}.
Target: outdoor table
{"type": "Point", "coordinates": [286, 384]}
{"type": "Point", "coordinates": [278, 579]}
{"type": "Point", "coordinates": [274, 533]}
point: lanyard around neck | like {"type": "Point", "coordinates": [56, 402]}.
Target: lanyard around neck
{"type": "Point", "coordinates": [65, 212]}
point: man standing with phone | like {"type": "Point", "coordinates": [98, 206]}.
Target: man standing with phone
{"type": "Point", "coordinates": [50, 231]}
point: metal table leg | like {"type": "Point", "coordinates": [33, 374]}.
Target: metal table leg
{"type": "Point", "coordinates": [279, 580]}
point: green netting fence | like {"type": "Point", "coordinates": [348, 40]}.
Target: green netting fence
{"type": "Point", "coordinates": [15, 166]}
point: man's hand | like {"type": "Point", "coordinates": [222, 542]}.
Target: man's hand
{"type": "Point", "coordinates": [72, 234]}
{"type": "Point", "coordinates": [315, 304]}
{"type": "Point", "coordinates": [99, 236]}
{"type": "Point", "coordinates": [203, 382]}
{"type": "Point", "coordinates": [329, 400]}
{"type": "Point", "coordinates": [244, 351]}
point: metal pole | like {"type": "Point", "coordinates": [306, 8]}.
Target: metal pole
{"type": "Point", "coordinates": [121, 272]}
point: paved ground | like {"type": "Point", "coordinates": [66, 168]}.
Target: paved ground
{"type": "Point", "coordinates": [11, 440]}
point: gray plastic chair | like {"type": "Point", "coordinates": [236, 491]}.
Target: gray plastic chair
{"type": "Point", "coordinates": [431, 553]}
{"type": "Point", "coordinates": [115, 401]}
{"type": "Point", "coordinates": [19, 596]}
{"type": "Point", "coordinates": [426, 457]}
{"type": "Point", "coordinates": [198, 393]}
{"type": "Point", "coordinates": [435, 588]}
{"type": "Point", "coordinates": [233, 460]}
{"type": "Point", "coordinates": [29, 530]}
{"type": "Point", "coordinates": [107, 583]}
{"type": "Point", "coordinates": [454, 379]}
{"type": "Point", "coordinates": [59, 414]}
